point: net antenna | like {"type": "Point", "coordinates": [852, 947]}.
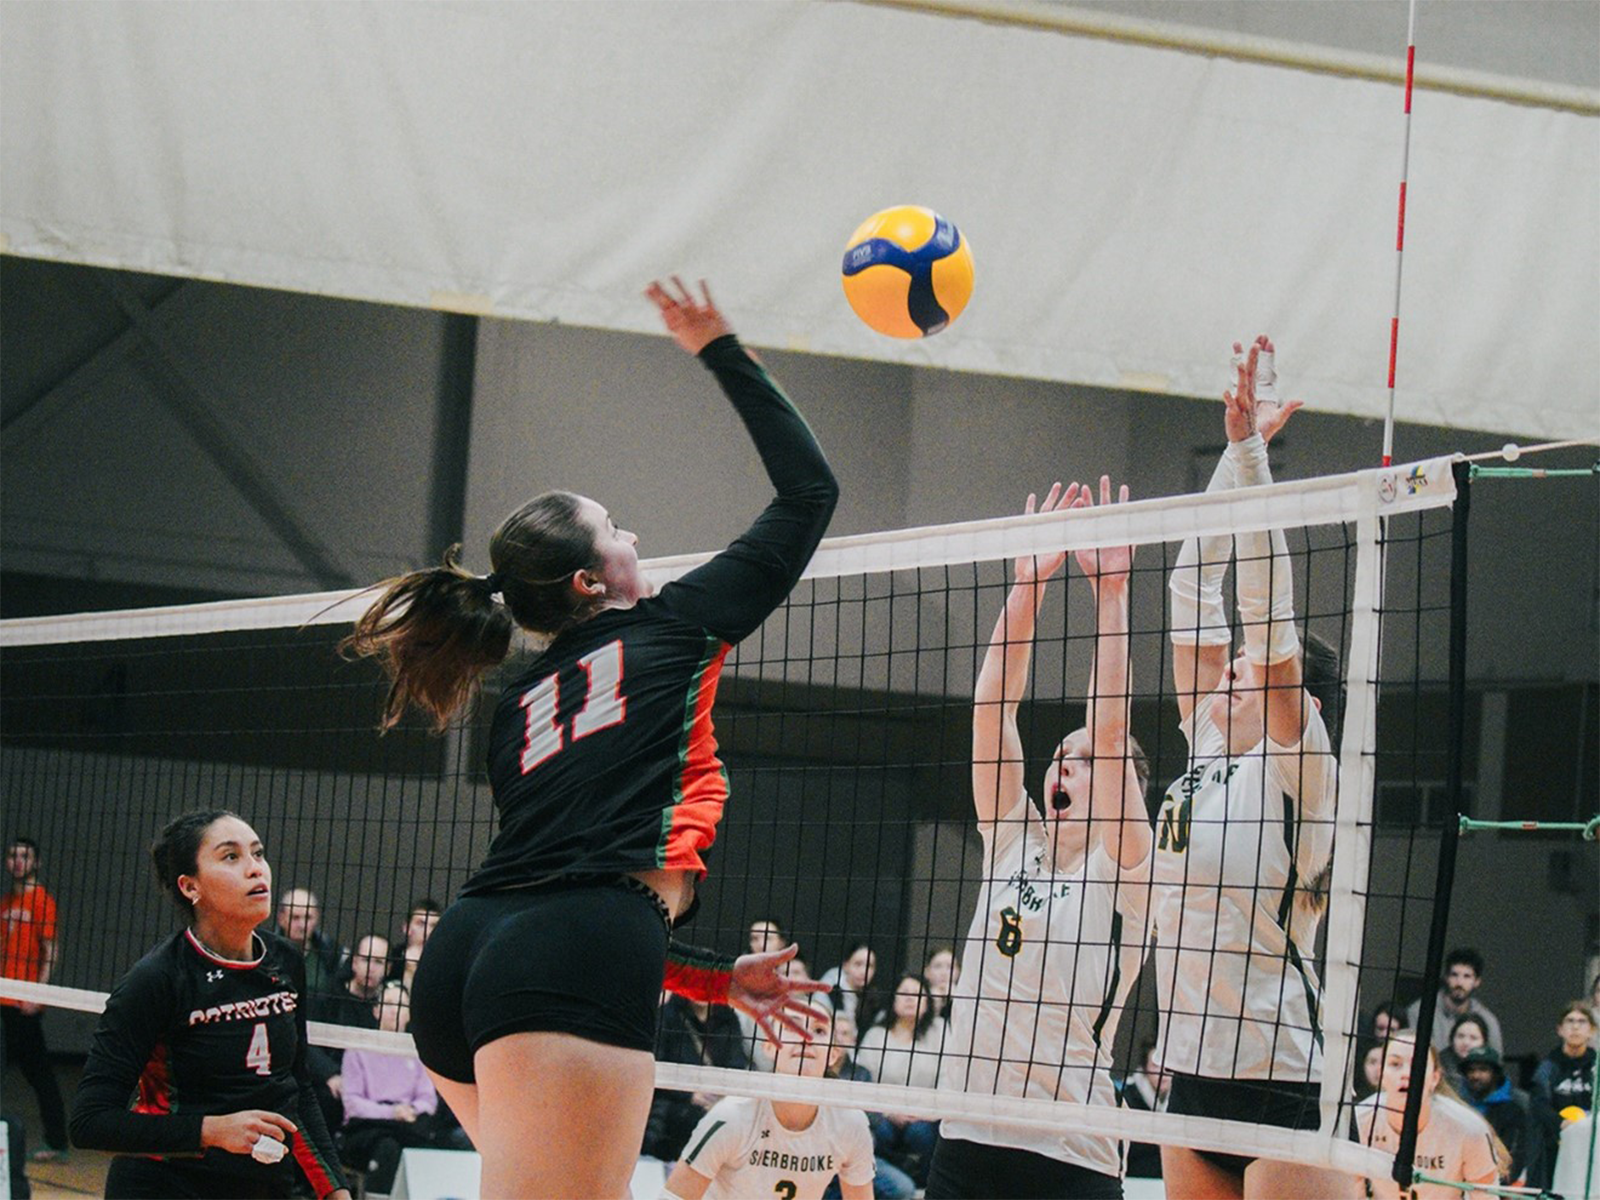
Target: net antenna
{"type": "Point", "coordinates": [1400, 232]}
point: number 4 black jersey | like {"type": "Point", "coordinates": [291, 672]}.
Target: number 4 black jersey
{"type": "Point", "coordinates": [601, 754]}
{"type": "Point", "coordinates": [187, 1035]}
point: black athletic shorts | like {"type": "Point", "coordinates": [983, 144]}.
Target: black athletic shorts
{"type": "Point", "coordinates": [964, 1170]}
{"type": "Point", "coordinates": [138, 1178]}
{"type": "Point", "coordinates": [585, 957]}
{"type": "Point", "coordinates": [1286, 1104]}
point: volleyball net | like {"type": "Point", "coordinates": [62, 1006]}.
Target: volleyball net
{"type": "Point", "coordinates": [846, 727]}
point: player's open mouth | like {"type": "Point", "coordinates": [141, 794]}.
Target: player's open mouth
{"type": "Point", "coordinates": [260, 891]}
{"type": "Point", "coordinates": [1060, 801]}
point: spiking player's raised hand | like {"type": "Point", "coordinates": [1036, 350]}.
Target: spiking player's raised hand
{"type": "Point", "coordinates": [693, 324]}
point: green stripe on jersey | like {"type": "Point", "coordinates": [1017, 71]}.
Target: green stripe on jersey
{"type": "Point", "coordinates": [701, 1145]}
{"type": "Point", "coordinates": [691, 702]}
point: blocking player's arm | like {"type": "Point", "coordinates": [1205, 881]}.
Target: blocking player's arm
{"type": "Point", "coordinates": [1117, 815]}
{"type": "Point", "coordinates": [738, 589]}
{"type": "Point", "coordinates": [1264, 575]}
{"type": "Point", "coordinates": [138, 1013]}
{"type": "Point", "coordinates": [1003, 677]}
{"type": "Point", "coordinates": [1200, 634]}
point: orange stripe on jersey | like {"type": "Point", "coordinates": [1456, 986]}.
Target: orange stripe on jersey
{"type": "Point", "coordinates": [155, 1084]}
{"type": "Point", "coordinates": [700, 788]}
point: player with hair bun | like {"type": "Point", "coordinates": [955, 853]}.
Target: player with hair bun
{"type": "Point", "coordinates": [207, 1034]}
{"type": "Point", "coordinates": [1245, 836]}
{"type": "Point", "coordinates": [534, 1005]}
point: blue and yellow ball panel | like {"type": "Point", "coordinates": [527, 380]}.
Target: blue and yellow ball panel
{"type": "Point", "coordinates": [907, 272]}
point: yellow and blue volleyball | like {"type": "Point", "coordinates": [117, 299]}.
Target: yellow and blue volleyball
{"type": "Point", "coordinates": [907, 272]}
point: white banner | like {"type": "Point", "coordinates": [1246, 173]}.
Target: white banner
{"type": "Point", "coordinates": [1131, 209]}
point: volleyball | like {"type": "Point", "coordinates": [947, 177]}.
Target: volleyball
{"type": "Point", "coordinates": [907, 271]}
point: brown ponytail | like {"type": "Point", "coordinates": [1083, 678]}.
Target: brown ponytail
{"type": "Point", "coordinates": [438, 630]}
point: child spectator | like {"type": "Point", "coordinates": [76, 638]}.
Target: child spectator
{"type": "Point", "coordinates": [389, 1101]}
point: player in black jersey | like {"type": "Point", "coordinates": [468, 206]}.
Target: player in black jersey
{"type": "Point", "coordinates": [534, 1006]}
{"type": "Point", "coordinates": [207, 1036]}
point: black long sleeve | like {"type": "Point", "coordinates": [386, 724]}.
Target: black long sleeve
{"type": "Point", "coordinates": [738, 589]}
{"type": "Point", "coordinates": [137, 1016]}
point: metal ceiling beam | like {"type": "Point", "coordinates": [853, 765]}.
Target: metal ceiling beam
{"type": "Point", "coordinates": [182, 393]}
{"type": "Point", "coordinates": [28, 421]}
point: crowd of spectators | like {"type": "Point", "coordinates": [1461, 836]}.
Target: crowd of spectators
{"type": "Point", "coordinates": [376, 1104]}
{"type": "Point", "coordinates": [379, 1104]}
{"type": "Point", "coordinates": [1526, 1122]}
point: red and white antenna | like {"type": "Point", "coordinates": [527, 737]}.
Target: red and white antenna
{"type": "Point", "coordinates": [1400, 234]}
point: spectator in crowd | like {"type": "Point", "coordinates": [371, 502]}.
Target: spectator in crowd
{"type": "Point", "coordinates": [29, 948]}
{"type": "Point", "coordinates": [365, 974]}
{"type": "Point", "coordinates": [941, 971]}
{"type": "Point", "coordinates": [1467, 1034]}
{"type": "Point", "coordinates": [767, 934]}
{"type": "Point", "coordinates": [699, 1035]}
{"type": "Point", "coordinates": [1463, 975]}
{"type": "Point", "coordinates": [420, 920]}
{"type": "Point", "coordinates": [1368, 1073]}
{"type": "Point", "coordinates": [903, 1048]}
{"type": "Point", "coordinates": [851, 979]}
{"type": "Point", "coordinates": [1509, 1113]}
{"type": "Point", "coordinates": [1145, 1090]}
{"type": "Point", "coordinates": [1594, 999]}
{"type": "Point", "coordinates": [1386, 1019]}
{"type": "Point", "coordinates": [1564, 1079]}
{"type": "Point", "coordinates": [300, 921]}
{"type": "Point", "coordinates": [1563, 1082]}
{"type": "Point", "coordinates": [389, 1101]}
{"type": "Point", "coordinates": [351, 1007]}
{"type": "Point", "coordinates": [889, 1182]}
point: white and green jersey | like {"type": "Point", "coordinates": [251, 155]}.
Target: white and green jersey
{"type": "Point", "coordinates": [745, 1151]}
{"type": "Point", "coordinates": [1240, 845]}
{"type": "Point", "coordinates": [1046, 967]}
